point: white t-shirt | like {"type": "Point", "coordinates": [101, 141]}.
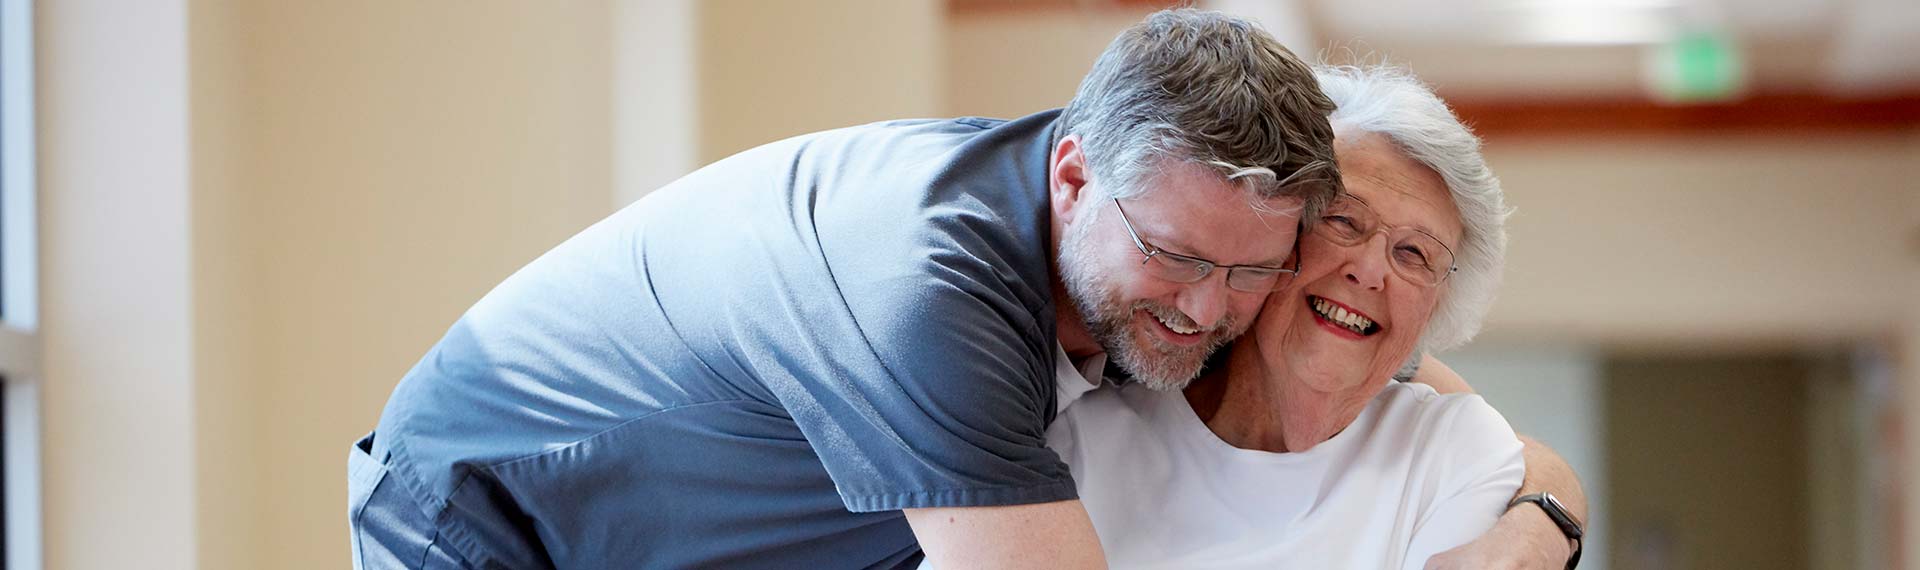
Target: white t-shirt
{"type": "Point", "coordinates": [1415, 474]}
{"type": "Point", "coordinates": [1071, 380]}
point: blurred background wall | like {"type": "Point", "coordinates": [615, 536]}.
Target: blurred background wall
{"type": "Point", "coordinates": [257, 215]}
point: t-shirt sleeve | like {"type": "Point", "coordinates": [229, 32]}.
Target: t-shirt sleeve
{"type": "Point", "coordinates": [1480, 468]}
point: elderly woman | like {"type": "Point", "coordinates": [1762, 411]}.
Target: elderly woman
{"type": "Point", "coordinates": [1300, 451]}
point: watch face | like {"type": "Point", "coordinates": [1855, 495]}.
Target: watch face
{"type": "Point", "coordinates": [1560, 516]}
{"type": "Point", "coordinates": [1568, 526]}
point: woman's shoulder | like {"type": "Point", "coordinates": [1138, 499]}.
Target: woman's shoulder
{"type": "Point", "coordinates": [1452, 423]}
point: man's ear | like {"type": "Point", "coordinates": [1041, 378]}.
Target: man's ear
{"type": "Point", "coordinates": [1067, 178]}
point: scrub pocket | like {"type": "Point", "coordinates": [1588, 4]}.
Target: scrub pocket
{"type": "Point", "coordinates": [364, 475]}
{"type": "Point", "coordinates": [389, 529]}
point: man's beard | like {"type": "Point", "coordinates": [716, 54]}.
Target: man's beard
{"type": "Point", "coordinates": [1158, 364]}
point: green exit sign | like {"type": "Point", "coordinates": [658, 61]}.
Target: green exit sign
{"type": "Point", "coordinates": [1701, 66]}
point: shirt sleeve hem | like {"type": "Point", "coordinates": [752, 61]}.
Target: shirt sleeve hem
{"type": "Point", "coordinates": [988, 497]}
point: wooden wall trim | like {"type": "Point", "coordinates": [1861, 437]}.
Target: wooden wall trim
{"type": "Point", "coordinates": [1782, 113]}
{"type": "Point", "coordinates": [969, 7]}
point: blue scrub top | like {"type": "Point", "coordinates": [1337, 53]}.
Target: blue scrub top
{"type": "Point", "coordinates": [755, 366]}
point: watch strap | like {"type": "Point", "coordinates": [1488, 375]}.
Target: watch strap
{"type": "Point", "coordinates": [1557, 513]}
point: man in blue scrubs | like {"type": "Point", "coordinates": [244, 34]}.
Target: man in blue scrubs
{"type": "Point", "coordinates": [836, 350]}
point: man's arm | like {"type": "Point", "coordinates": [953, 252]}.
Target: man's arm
{"type": "Point", "coordinates": [1435, 373]}
{"type": "Point", "coordinates": [1483, 465]}
{"type": "Point", "coordinates": [1524, 538]}
{"type": "Point", "coordinates": [1044, 535]}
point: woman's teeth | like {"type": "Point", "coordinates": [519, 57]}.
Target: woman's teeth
{"type": "Point", "coordinates": [1341, 316]}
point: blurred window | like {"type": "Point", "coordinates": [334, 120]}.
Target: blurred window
{"type": "Point", "coordinates": [19, 304]}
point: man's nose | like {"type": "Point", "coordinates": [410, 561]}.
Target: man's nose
{"type": "Point", "coordinates": [1206, 301]}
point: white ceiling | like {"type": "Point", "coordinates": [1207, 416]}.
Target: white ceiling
{"type": "Point", "coordinates": [1602, 47]}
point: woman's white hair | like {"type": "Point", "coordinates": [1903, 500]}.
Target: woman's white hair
{"type": "Point", "coordinates": [1391, 102]}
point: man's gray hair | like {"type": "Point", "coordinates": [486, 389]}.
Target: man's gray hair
{"type": "Point", "coordinates": [1209, 89]}
{"type": "Point", "coordinates": [1391, 102]}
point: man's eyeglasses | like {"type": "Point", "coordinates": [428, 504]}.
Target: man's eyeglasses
{"type": "Point", "coordinates": [1415, 255]}
{"type": "Point", "coordinates": [1189, 269]}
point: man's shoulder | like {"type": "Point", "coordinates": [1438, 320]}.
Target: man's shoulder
{"type": "Point", "coordinates": [940, 216]}
{"type": "Point", "coordinates": [963, 123]}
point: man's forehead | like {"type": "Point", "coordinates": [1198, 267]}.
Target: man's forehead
{"type": "Point", "coordinates": [1237, 208]}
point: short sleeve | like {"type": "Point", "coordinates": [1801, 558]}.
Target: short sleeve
{"type": "Point", "coordinates": [1479, 465]}
{"type": "Point", "coordinates": [967, 391]}
{"type": "Point", "coordinates": [922, 367]}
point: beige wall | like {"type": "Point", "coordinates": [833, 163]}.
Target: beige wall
{"type": "Point", "coordinates": [770, 70]}
{"type": "Point", "coordinates": [229, 488]}
{"type": "Point", "coordinates": [393, 162]}
{"type": "Point", "coordinates": [1645, 240]}
{"type": "Point", "coordinates": [1016, 62]}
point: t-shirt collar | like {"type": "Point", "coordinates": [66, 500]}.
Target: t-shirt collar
{"type": "Point", "coordinates": [1076, 379]}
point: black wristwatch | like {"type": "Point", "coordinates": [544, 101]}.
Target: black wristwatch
{"type": "Point", "coordinates": [1561, 518]}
